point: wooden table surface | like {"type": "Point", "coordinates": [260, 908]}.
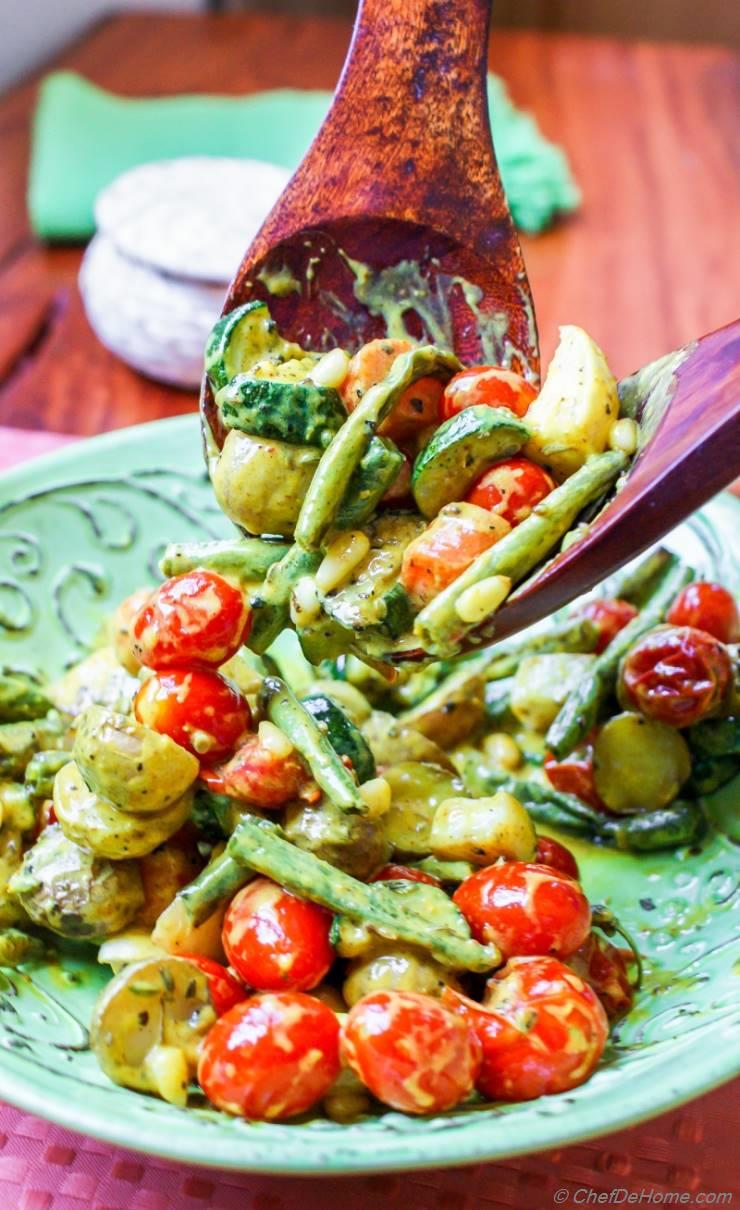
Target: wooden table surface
{"type": "Point", "coordinates": [651, 260]}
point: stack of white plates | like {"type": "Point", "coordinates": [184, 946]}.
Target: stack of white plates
{"type": "Point", "coordinates": [170, 237]}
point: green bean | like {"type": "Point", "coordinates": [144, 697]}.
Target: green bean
{"type": "Point", "coordinates": [294, 720]}
{"type": "Point", "coordinates": [261, 847]}
{"type": "Point", "coordinates": [446, 871]}
{"type": "Point", "coordinates": [245, 559]}
{"type": "Point", "coordinates": [271, 603]}
{"type": "Point", "coordinates": [708, 773]}
{"type": "Point", "coordinates": [716, 737]}
{"type": "Point", "coordinates": [17, 947]}
{"type": "Point", "coordinates": [636, 583]}
{"type": "Point", "coordinates": [439, 627]}
{"type": "Point", "coordinates": [340, 460]}
{"type": "Point", "coordinates": [497, 701]}
{"type": "Point", "coordinates": [41, 770]}
{"type": "Point", "coordinates": [21, 698]}
{"type": "Point", "coordinates": [580, 712]}
{"type": "Point", "coordinates": [376, 471]}
{"type": "Point", "coordinates": [574, 635]}
{"type": "Point", "coordinates": [671, 827]}
{"type": "Point", "coordinates": [215, 884]}
{"type": "Point", "coordinates": [19, 741]}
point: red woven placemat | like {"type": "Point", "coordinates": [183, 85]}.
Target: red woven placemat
{"type": "Point", "coordinates": [688, 1157]}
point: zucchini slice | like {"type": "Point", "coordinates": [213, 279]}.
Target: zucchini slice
{"type": "Point", "coordinates": [373, 597]}
{"type": "Point", "coordinates": [345, 738]}
{"type": "Point", "coordinates": [370, 480]}
{"type": "Point", "coordinates": [298, 413]}
{"type": "Point", "coordinates": [240, 339]}
{"type": "Point", "coordinates": [460, 451]}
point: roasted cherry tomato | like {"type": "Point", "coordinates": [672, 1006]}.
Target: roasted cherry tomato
{"type": "Point", "coordinates": [390, 873]}
{"type": "Point", "coordinates": [419, 404]}
{"type": "Point", "coordinates": [511, 489]}
{"type": "Point", "coordinates": [610, 616]}
{"type": "Point", "coordinates": [553, 853]}
{"type": "Point", "coordinates": [259, 775]}
{"type": "Point", "coordinates": [605, 969]}
{"type": "Point", "coordinates": [412, 1053]}
{"type": "Point", "coordinates": [270, 1057]}
{"type": "Point", "coordinates": [195, 618]}
{"type": "Point", "coordinates": [276, 941]}
{"type": "Point", "coordinates": [225, 989]}
{"type": "Point", "coordinates": [708, 607]}
{"type": "Point", "coordinates": [542, 1029]}
{"type": "Point", "coordinates": [574, 775]}
{"type": "Point", "coordinates": [675, 674]}
{"type": "Point", "coordinates": [197, 708]}
{"type": "Point", "coordinates": [446, 548]}
{"type": "Point", "coordinates": [525, 909]}
{"type": "Point", "coordinates": [491, 385]}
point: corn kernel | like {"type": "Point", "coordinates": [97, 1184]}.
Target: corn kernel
{"type": "Point", "coordinates": [502, 750]}
{"type": "Point", "coordinates": [376, 795]}
{"type": "Point", "coordinates": [275, 740]}
{"type": "Point", "coordinates": [331, 370]}
{"type": "Point", "coordinates": [341, 558]}
{"type": "Point", "coordinates": [624, 435]}
{"type": "Point", "coordinates": [167, 1068]}
{"type": "Point", "coordinates": [481, 600]}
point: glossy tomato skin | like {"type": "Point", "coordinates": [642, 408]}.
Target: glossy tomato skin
{"type": "Point", "coordinates": [393, 872]}
{"type": "Point", "coordinates": [675, 674]}
{"type": "Point", "coordinates": [258, 775]}
{"type": "Point", "coordinates": [225, 989]}
{"type": "Point", "coordinates": [412, 1053]}
{"type": "Point", "coordinates": [574, 774]}
{"type": "Point", "coordinates": [542, 1029]}
{"type": "Point", "coordinates": [197, 708]}
{"type": "Point", "coordinates": [270, 1057]}
{"type": "Point", "coordinates": [525, 909]}
{"type": "Point", "coordinates": [491, 385]}
{"type": "Point", "coordinates": [707, 606]}
{"type": "Point", "coordinates": [511, 488]}
{"type": "Point", "coordinates": [605, 968]}
{"type": "Point", "coordinates": [557, 856]}
{"type": "Point", "coordinates": [610, 616]}
{"type": "Point", "coordinates": [197, 618]}
{"type": "Point", "coordinates": [276, 941]}
{"type": "Point", "coordinates": [418, 406]}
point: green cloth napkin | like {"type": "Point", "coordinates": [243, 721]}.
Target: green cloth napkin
{"type": "Point", "coordinates": [84, 137]}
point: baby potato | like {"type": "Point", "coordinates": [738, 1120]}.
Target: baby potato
{"type": "Point", "coordinates": [98, 680]}
{"type": "Point", "coordinates": [416, 791]}
{"type": "Point", "coordinates": [131, 765]}
{"type": "Point", "coordinates": [175, 932]}
{"type": "Point", "coordinates": [164, 872]}
{"type": "Point", "coordinates": [542, 683]}
{"type": "Point", "coordinates": [572, 416]}
{"type": "Point", "coordinates": [11, 856]}
{"type": "Point", "coordinates": [353, 843]}
{"type": "Point", "coordinates": [68, 889]}
{"type": "Point", "coordinates": [640, 764]}
{"type": "Point", "coordinates": [480, 830]}
{"type": "Point", "coordinates": [95, 823]}
{"type": "Point", "coordinates": [393, 742]}
{"type": "Point", "coordinates": [396, 968]}
{"type": "Point", "coordinates": [260, 484]}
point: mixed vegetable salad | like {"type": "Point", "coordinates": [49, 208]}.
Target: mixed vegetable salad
{"type": "Point", "coordinates": [317, 873]}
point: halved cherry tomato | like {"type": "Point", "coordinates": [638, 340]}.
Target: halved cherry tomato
{"type": "Point", "coordinates": [270, 1057]}
{"type": "Point", "coordinates": [708, 607]}
{"type": "Point", "coordinates": [419, 404]}
{"type": "Point", "coordinates": [195, 618]}
{"type": "Point", "coordinates": [390, 873]}
{"type": "Point", "coordinates": [197, 708]}
{"type": "Point", "coordinates": [525, 908]}
{"type": "Point", "coordinates": [412, 1053]}
{"type": "Point", "coordinates": [446, 548]}
{"type": "Point", "coordinates": [259, 775]}
{"type": "Point", "coordinates": [276, 941]}
{"type": "Point", "coordinates": [575, 775]}
{"type": "Point", "coordinates": [492, 385]}
{"type": "Point", "coordinates": [553, 853]}
{"type": "Point", "coordinates": [542, 1029]}
{"type": "Point", "coordinates": [604, 968]}
{"type": "Point", "coordinates": [610, 616]}
{"type": "Point", "coordinates": [511, 489]}
{"type": "Point", "coordinates": [676, 674]}
{"type": "Point", "coordinates": [225, 989]}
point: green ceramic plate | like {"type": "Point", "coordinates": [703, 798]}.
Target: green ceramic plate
{"type": "Point", "coordinates": [81, 528]}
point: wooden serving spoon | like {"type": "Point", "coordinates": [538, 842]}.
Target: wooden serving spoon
{"type": "Point", "coordinates": [399, 195]}
{"type": "Point", "coordinates": [688, 406]}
